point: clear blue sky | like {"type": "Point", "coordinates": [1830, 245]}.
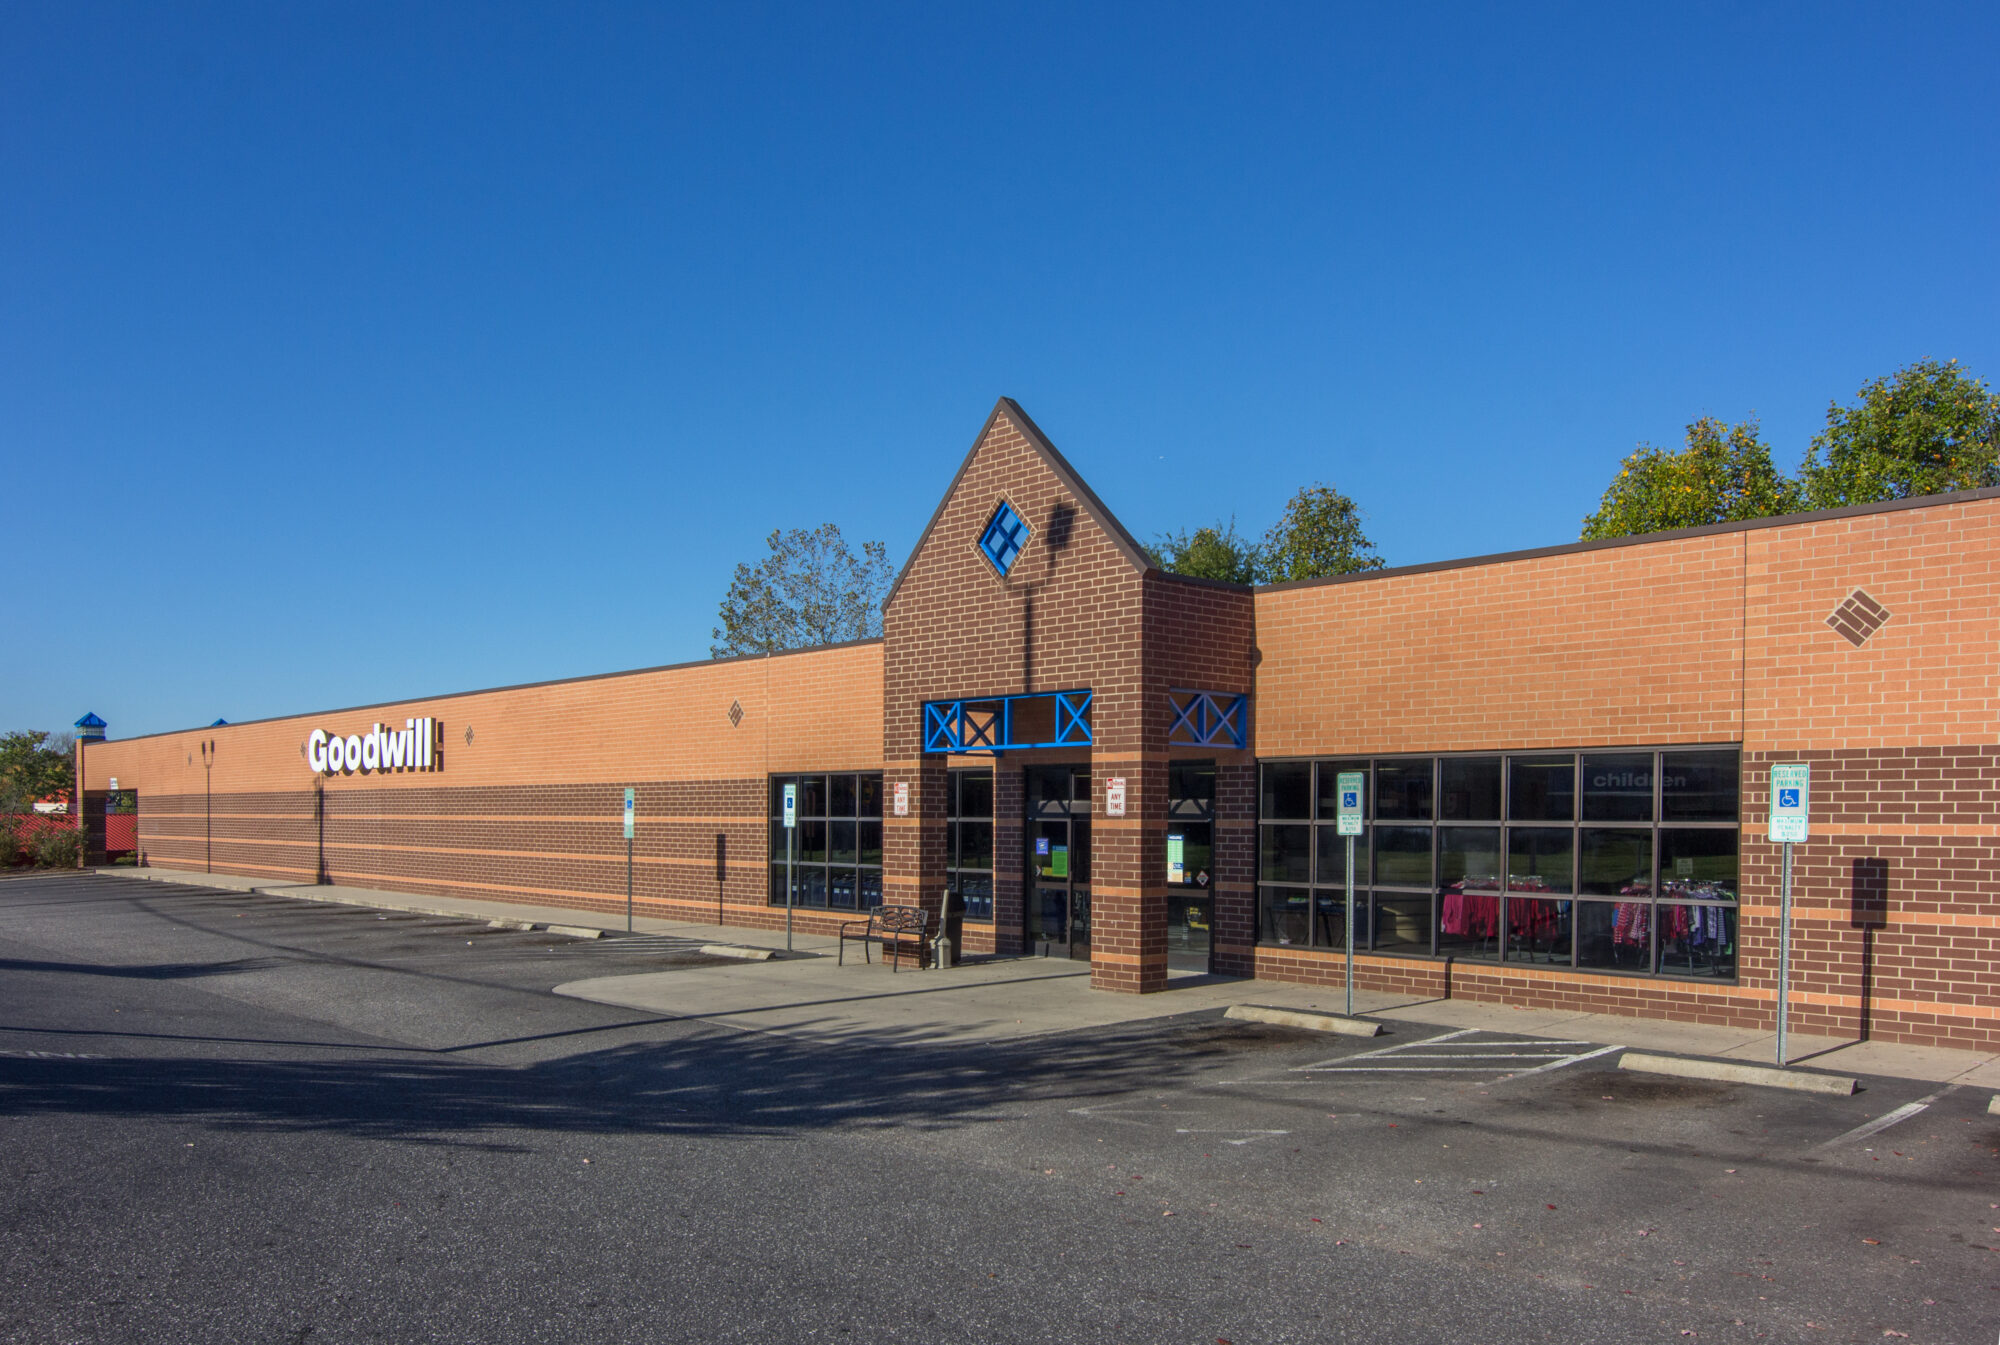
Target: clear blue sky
{"type": "Point", "coordinates": [351, 351]}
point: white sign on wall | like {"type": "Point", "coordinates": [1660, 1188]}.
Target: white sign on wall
{"type": "Point", "coordinates": [902, 798]}
{"type": "Point", "coordinates": [410, 748]}
{"type": "Point", "coordinates": [1114, 796]}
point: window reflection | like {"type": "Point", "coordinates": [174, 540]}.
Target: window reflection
{"type": "Point", "coordinates": [1618, 787]}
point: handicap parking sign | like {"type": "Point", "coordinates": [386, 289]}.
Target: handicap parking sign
{"type": "Point", "coordinates": [1791, 801]}
{"type": "Point", "coordinates": [1349, 786]}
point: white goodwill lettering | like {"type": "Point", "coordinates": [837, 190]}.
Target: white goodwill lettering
{"type": "Point", "coordinates": [316, 751]}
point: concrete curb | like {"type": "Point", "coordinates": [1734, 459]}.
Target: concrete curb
{"type": "Point", "coordinates": [1730, 1071]}
{"type": "Point", "coordinates": [1312, 1022]}
{"type": "Point", "coordinates": [1993, 1105]}
{"type": "Point", "coordinates": [731, 950]}
{"type": "Point", "coordinates": [575, 931]}
{"type": "Point", "coordinates": [521, 925]}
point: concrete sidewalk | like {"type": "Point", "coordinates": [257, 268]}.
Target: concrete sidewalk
{"type": "Point", "coordinates": [1007, 998]}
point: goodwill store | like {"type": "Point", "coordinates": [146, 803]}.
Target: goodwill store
{"type": "Point", "coordinates": [1560, 761]}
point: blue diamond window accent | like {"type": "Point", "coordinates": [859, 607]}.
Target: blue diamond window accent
{"type": "Point", "coordinates": [1004, 537]}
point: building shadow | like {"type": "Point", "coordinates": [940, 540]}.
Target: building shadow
{"type": "Point", "coordinates": [1870, 913]}
{"type": "Point", "coordinates": [707, 1082]}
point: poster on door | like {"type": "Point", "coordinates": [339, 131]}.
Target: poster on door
{"type": "Point", "coordinates": [1176, 857]}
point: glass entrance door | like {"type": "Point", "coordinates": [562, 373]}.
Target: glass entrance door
{"type": "Point", "coordinates": [1058, 861]}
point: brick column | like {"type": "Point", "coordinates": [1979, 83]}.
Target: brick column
{"type": "Point", "coordinates": [1010, 844]}
{"type": "Point", "coordinates": [1128, 894]}
{"type": "Point", "coordinates": [913, 847]}
{"type": "Point", "coordinates": [1234, 878]}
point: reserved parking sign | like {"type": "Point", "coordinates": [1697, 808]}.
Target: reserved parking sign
{"type": "Point", "coordinates": [1349, 786]}
{"type": "Point", "coordinates": [1791, 799]}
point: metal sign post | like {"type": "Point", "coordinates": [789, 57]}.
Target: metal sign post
{"type": "Point", "coordinates": [791, 829]}
{"type": "Point", "coordinates": [630, 798]}
{"type": "Point", "coordinates": [1791, 800]}
{"type": "Point", "coordinates": [1350, 785]}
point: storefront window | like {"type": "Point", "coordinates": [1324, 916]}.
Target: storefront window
{"type": "Point", "coordinates": [836, 854]}
{"type": "Point", "coordinates": [1287, 791]}
{"type": "Point", "coordinates": [1622, 861]}
{"type": "Point", "coordinates": [1698, 786]}
{"type": "Point", "coordinates": [1469, 789]}
{"type": "Point", "coordinates": [1541, 789]}
{"type": "Point", "coordinates": [969, 840]}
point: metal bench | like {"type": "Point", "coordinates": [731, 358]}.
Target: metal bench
{"type": "Point", "coordinates": [889, 926]}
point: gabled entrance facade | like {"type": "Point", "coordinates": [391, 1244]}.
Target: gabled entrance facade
{"type": "Point", "coordinates": [1027, 638]}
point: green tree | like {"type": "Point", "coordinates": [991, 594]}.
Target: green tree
{"type": "Point", "coordinates": [34, 766]}
{"type": "Point", "coordinates": [811, 590]}
{"type": "Point", "coordinates": [1319, 534]}
{"type": "Point", "coordinates": [1208, 553]}
{"type": "Point", "coordinates": [1722, 474]}
{"type": "Point", "coordinates": [1924, 430]}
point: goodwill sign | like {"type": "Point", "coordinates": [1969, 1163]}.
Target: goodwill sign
{"type": "Point", "coordinates": [410, 748]}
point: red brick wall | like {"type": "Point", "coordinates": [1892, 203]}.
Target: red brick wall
{"type": "Point", "coordinates": [530, 809]}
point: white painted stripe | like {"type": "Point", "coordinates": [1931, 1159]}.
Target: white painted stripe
{"type": "Point", "coordinates": [1417, 1069]}
{"type": "Point", "coordinates": [1388, 1050]}
{"type": "Point", "coordinates": [1887, 1119]}
{"type": "Point", "coordinates": [1572, 1060]}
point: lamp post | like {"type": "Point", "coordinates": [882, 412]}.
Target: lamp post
{"type": "Point", "coordinates": [208, 800]}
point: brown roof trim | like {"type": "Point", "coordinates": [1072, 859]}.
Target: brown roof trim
{"type": "Point", "coordinates": [1643, 539]}
{"type": "Point", "coordinates": [1058, 464]}
{"type": "Point", "coordinates": [1197, 581]}
{"type": "Point", "coordinates": [517, 686]}
{"type": "Point", "coordinates": [1095, 507]}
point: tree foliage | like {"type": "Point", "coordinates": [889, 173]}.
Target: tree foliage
{"type": "Point", "coordinates": [1319, 534]}
{"type": "Point", "coordinates": [811, 590]}
{"type": "Point", "coordinates": [1208, 553]}
{"type": "Point", "coordinates": [1924, 430]}
{"type": "Point", "coordinates": [1722, 474]}
{"type": "Point", "coordinates": [34, 766]}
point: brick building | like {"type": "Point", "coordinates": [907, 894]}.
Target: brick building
{"type": "Point", "coordinates": [1566, 755]}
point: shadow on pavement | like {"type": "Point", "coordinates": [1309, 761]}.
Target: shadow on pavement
{"type": "Point", "coordinates": [154, 971]}
{"type": "Point", "coordinates": [713, 1084]}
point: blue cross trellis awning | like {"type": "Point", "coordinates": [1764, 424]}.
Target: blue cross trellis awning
{"type": "Point", "coordinates": [1209, 719]}
{"type": "Point", "coordinates": [1008, 723]}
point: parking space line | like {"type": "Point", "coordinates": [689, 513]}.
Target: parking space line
{"type": "Point", "coordinates": [1479, 1057]}
{"type": "Point", "coordinates": [1887, 1119]}
{"type": "Point", "coordinates": [1570, 1060]}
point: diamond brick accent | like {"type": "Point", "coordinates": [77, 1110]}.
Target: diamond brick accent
{"type": "Point", "coordinates": [1858, 618]}
{"type": "Point", "coordinates": [735, 714]}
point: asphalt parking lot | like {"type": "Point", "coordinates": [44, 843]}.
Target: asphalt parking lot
{"type": "Point", "coordinates": [244, 1118]}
